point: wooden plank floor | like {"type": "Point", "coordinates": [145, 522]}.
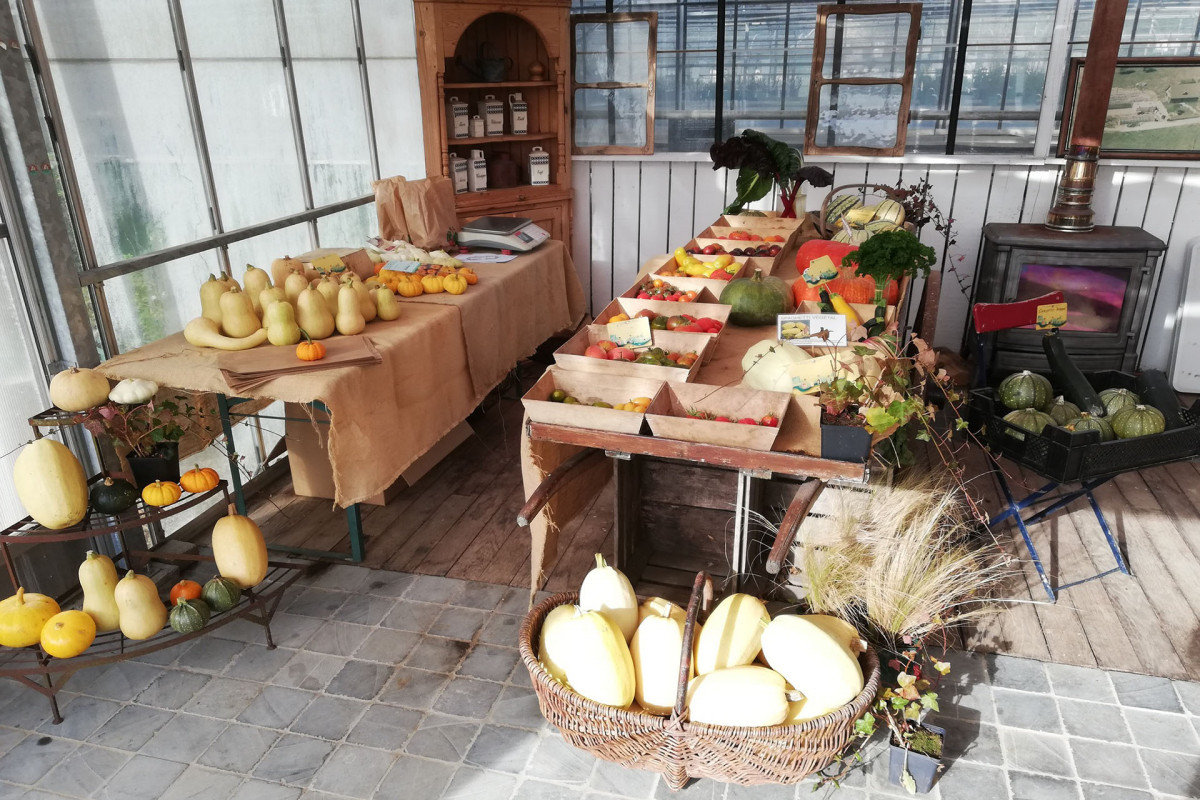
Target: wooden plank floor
{"type": "Point", "coordinates": [459, 521]}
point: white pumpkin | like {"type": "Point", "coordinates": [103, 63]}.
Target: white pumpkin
{"type": "Point", "coordinates": [768, 365]}
{"type": "Point", "coordinates": [133, 391]}
{"type": "Point", "coordinates": [607, 590]}
{"type": "Point", "coordinates": [78, 389]}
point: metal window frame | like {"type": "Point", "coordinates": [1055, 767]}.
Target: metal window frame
{"type": "Point", "coordinates": [651, 19]}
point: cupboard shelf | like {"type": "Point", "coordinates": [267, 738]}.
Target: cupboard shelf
{"type": "Point", "coordinates": [508, 137]}
{"type": "Point", "coordinates": [501, 85]}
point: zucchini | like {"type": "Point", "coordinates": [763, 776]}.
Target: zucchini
{"type": "Point", "coordinates": [1068, 377]}
{"type": "Point", "coordinates": [1155, 390]}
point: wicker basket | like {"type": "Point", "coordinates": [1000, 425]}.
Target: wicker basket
{"type": "Point", "coordinates": [680, 749]}
{"type": "Point", "coordinates": [864, 189]}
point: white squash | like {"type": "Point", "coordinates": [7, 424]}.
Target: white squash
{"type": "Point", "coordinates": [50, 484]}
{"type": "Point", "coordinates": [732, 634]}
{"type": "Point", "coordinates": [133, 391]}
{"type": "Point", "coordinates": [817, 664]}
{"type": "Point", "coordinates": [606, 589]}
{"type": "Point", "coordinates": [597, 659]}
{"type": "Point", "coordinates": [552, 648]}
{"type": "Point", "coordinates": [656, 648]}
{"type": "Point", "coordinates": [78, 389]}
{"type": "Point", "coordinates": [749, 696]}
{"type": "Point", "coordinates": [660, 607]}
{"type": "Point", "coordinates": [842, 631]}
{"type": "Point", "coordinates": [141, 611]}
{"type": "Point", "coordinates": [767, 365]}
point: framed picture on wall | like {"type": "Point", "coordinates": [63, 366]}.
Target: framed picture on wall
{"type": "Point", "coordinates": [1153, 111]}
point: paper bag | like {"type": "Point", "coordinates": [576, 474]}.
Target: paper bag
{"type": "Point", "coordinates": [429, 211]}
{"type": "Point", "coordinates": [389, 207]}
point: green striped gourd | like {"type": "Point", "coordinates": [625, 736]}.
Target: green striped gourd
{"type": "Point", "coordinates": [1086, 422]}
{"type": "Point", "coordinates": [890, 211]}
{"type": "Point", "coordinates": [839, 206]}
{"type": "Point", "coordinates": [1062, 410]}
{"type": "Point", "coordinates": [1029, 419]}
{"type": "Point", "coordinates": [1116, 400]}
{"type": "Point", "coordinates": [1139, 420]}
{"type": "Point", "coordinates": [1025, 390]}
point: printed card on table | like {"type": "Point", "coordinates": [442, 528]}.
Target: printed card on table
{"type": "Point", "coordinates": [1051, 315]}
{"type": "Point", "coordinates": [327, 263]}
{"type": "Point", "coordinates": [630, 332]}
{"type": "Point", "coordinates": [807, 376]}
{"type": "Point", "coordinates": [812, 330]}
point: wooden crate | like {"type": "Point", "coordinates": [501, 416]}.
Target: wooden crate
{"type": "Point", "coordinates": [588, 386]}
{"type": "Point", "coordinates": [668, 418]}
{"type": "Point", "coordinates": [570, 355]}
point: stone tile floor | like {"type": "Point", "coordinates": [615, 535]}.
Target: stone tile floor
{"type": "Point", "coordinates": [387, 685]}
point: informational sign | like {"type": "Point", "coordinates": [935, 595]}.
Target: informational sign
{"type": "Point", "coordinates": [819, 271]}
{"type": "Point", "coordinates": [812, 330]}
{"type": "Point", "coordinates": [328, 263]}
{"type": "Point", "coordinates": [807, 376]}
{"type": "Point", "coordinates": [630, 332]}
{"type": "Point", "coordinates": [1051, 315]}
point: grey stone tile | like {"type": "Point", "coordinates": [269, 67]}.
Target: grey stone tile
{"type": "Point", "coordinates": [28, 711]}
{"type": "Point", "coordinates": [514, 601]}
{"type": "Point", "coordinates": [967, 699]}
{"type": "Point", "coordinates": [489, 662]}
{"type": "Point", "coordinates": [555, 760]}
{"type": "Point", "coordinates": [467, 697]}
{"type": "Point", "coordinates": [385, 727]}
{"type": "Point", "coordinates": [173, 689]}
{"type": "Point", "coordinates": [519, 707]}
{"type": "Point", "coordinates": [164, 657]}
{"type": "Point", "coordinates": [312, 671]}
{"type": "Point", "coordinates": [183, 737]}
{"type": "Point", "coordinates": [763, 792]}
{"type": "Point", "coordinates": [342, 577]}
{"type": "Point", "coordinates": [520, 676]}
{"type": "Point", "coordinates": [971, 741]}
{"type": "Point", "coordinates": [1094, 720]}
{"type": "Point", "coordinates": [485, 596]}
{"type": "Point", "coordinates": [443, 738]}
{"type": "Point", "coordinates": [276, 707]}
{"type": "Point", "coordinates": [407, 615]}
{"type": "Point", "coordinates": [364, 609]}
{"type": "Point", "coordinates": [360, 679]}
{"type": "Point", "coordinates": [9, 738]}
{"type": "Point", "coordinates": [831, 792]}
{"type": "Point", "coordinates": [437, 654]}
{"type": "Point", "coordinates": [615, 779]}
{"type": "Point", "coordinates": [142, 777]}
{"type": "Point", "coordinates": [130, 728]}
{"type": "Point", "coordinates": [501, 629]}
{"type": "Point", "coordinates": [1145, 691]}
{"type": "Point", "coordinates": [1081, 683]}
{"type": "Point", "coordinates": [81, 772]}
{"type": "Point", "coordinates": [413, 688]}
{"type": "Point", "coordinates": [415, 777]}
{"type": "Point", "coordinates": [121, 681]}
{"type": "Point", "coordinates": [1017, 673]}
{"type": "Point", "coordinates": [385, 583]}
{"type": "Point", "coordinates": [353, 770]}
{"type": "Point", "coordinates": [239, 747]}
{"type": "Point", "coordinates": [1036, 752]}
{"type": "Point", "coordinates": [1106, 762]}
{"type": "Point", "coordinates": [1026, 786]}
{"type": "Point", "coordinates": [542, 790]}
{"type": "Point", "coordinates": [293, 759]}
{"type": "Point", "coordinates": [258, 663]}
{"type": "Point", "coordinates": [262, 790]}
{"type": "Point", "coordinates": [387, 646]}
{"type": "Point", "coordinates": [502, 749]}
{"type": "Point", "coordinates": [702, 789]}
{"type": "Point", "coordinates": [202, 783]}
{"type": "Point", "coordinates": [1097, 791]}
{"type": "Point", "coordinates": [1162, 731]}
{"type": "Point", "coordinates": [435, 589]}
{"type": "Point", "coordinates": [314, 602]}
{"type": "Point", "coordinates": [290, 630]}
{"type": "Point", "coordinates": [337, 638]}
{"type": "Point", "coordinates": [1189, 696]}
{"type": "Point", "coordinates": [472, 784]}
{"type": "Point", "coordinates": [82, 716]}
{"type": "Point", "coordinates": [329, 717]}
{"type": "Point", "coordinates": [33, 794]}
{"type": "Point", "coordinates": [212, 655]}
{"type": "Point", "coordinates": [1173, 773]}
{"type": "Point", "coordinates": [243, 630]}
{"type": "Point", "coordinates": [223, 697]}
{"type": "Point", "coordinates": [1027, 710]}
{"type": "Point", "coordinates": [458, 623]}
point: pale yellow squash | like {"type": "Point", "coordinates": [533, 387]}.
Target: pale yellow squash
{"type": "Point", "coordinates": [606, 589]}
{"type": "Point", "coordinates": [386, 307]}
{"type": "Point", "coordinates": [50, 484]}
{"type": "Point", "coordinates": [732, 633]}
{"type": "Point", "coordinates": [750, 696]}
{"type": "Point", "coordinates": [655, 649]}
{"type": "Point", "coordinates": [98, 578]}
{"type": "Point", "coordinates": [237, 315]}
{"type": "Point", "coordinates": [349, 319]}
{"type": "Point", "coordinates": [840, 630]}
{"type": "Point", "coordinates": [280, 321]}
{"type": "Point", "coordinates": [239, 550]}
{"type": "Point", "coordinates": [551, 641]}
{"type": "Point", "coordinates": [282, 267]}
{"type": "Point", "coordinates": [312, 315]}
{"type": "Point", "coordinates": [821, 667]}
{"type": "Point", "coordinates": [366, 303]}
{"type": "Point", "coordinates": [597, 660]}
{"type": "Point", "coordinates": [210, 298]}
{"type": "Point", "coordinates": [328, 289]}
{"type": "Point", "coordinates": [256, 280]}
{"type": "Point", "coordinates": [294, 285]}
{"type": "Point", "coordinates": [141, 609]}
{"type": "Point", "coordinates": [78, 389]}
{"type": "Point", "coordinates": [660, 607]}
{"type": "Point", "coordinates": [203, 332]}
{"type": "Point", "coordinates": [272, 294]}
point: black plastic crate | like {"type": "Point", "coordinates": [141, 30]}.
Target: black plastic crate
{"type": "Point", "coordinates": [1065, 456]}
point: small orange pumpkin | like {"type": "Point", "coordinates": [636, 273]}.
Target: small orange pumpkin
{"type": "Point", "coordinates": [161, 493]}
{"type": "Point", "coordinates": [409, 289]}
{"type": "Point", "coordinates": [432, 284]}
{"type": "Point", "coordinates": [469, 275]}
{"type": "Point", "coordinates": [199, 479]}
{"type": "Point", "coordinates": [454, 284]}
{"type": "Point", "coordinates": [308, 350]}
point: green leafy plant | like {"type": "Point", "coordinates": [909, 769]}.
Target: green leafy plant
{"type": "Point", "coordinates": [889, 256]}
{"type": "Point", "coordinates": [142, 428]}
{"type": "Point", "coordinates": [763, 162]}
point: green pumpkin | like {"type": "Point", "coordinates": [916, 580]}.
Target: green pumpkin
{"type": "Point", "coordinates": [189, 616]}
{"type": "Point", "coordinates": [1086, 422]}
{"type": "Point", "coordinates": [1029, 419]}
{"type": "Point", "coordinates": [756, 300]}
{"type": "Point", "coordinates": [1062, 411]}
{"type": "Point", "coordinates": [1139, 420]}
{"type": "Point", "coordinates": [221, 594]}
{"type": "Point", "coordinates": [1023, 390]}
{"type": "Point", "coordinates": [113, 496]}
{"type": "Point", "coordinates": [1116, 400]}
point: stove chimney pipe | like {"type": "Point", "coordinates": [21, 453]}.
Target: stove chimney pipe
{"type": "Point", "coordinates": [1072, 211]}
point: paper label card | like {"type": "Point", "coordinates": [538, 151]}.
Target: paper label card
{"type": "Point", "coordinates": [819, 271]}
{"type": "Point", "coordinates": [630, 332]}
{"type": "Point", "coordinates": [403, 266]}
{"type": "Point", "coordinates": [1051, 315]}
{"type": "Point", "coordinates": [812, 330]}
{"type": "Point", "coordinates": [328, 263]}
{"type": "Point", "coordinates": [807, 376]}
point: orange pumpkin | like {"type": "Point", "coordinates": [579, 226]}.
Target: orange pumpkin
{"type": "Point", "coordinates": [410, 288]}
{"type": "Point", "coordinates": [199, 479]}
{"type": "Point", "coordinates": [851, 287]}
{"type": "Point", "coordinates": [185, 590]}
{"type": "Point", "coordinates": [161, 493]}
{"type": "Point", "coordinates": [308, 350]}
{"type": "Point", "coordinates": [469, 275]}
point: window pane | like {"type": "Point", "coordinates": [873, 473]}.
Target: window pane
{"type": "Point", "coordinates": [349, 228]}
{"type": "Point", "coordinates": [858, 116]}
{"type": "Point", "coordinates": [684, 101]}
{"type": "Point", "coordinates": [262, 250]}
{"type": "Point", "coordinates": [158, 301]}
{"type": "Point", "coordinates": [114, 65]}
{"type": "Point", "coordinates": [244, 103]}
{"type": "Point", "coordinates": [321, 33]}
{"type": "Point", "coordinates": [391, 53]}
{"type": "Point", "coordinates": [871, 46]}
{"type": "Point", "coordinates": [610, 117]}
{"type": "Point", "coordinates": [612, 51]}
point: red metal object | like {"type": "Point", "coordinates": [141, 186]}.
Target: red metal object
{"type": "Point", "coordinates": [990, 317]}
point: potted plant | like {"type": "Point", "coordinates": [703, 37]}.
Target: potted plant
{"type": "Point", "coordinates": [147, 434]}
{"type": "Point", "coordinates": [763, 162]}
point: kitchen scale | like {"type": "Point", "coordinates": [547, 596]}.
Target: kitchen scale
{"type": "Point", "coordinates": [502, 233]}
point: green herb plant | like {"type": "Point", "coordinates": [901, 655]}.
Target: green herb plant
{"type": "Point", "coordinates": [888, 256]}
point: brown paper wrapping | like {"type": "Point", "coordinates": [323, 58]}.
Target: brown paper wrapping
{"type": "Point", "coordinates": [389, 208]}
{"type": "Point", "coordinates": [429, 211]}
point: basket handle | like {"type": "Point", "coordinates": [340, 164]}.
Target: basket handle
{"type": "Point", "coordinates": [702, 593]}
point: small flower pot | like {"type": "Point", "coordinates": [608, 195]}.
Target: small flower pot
{"type": "Point", "coordinates": [924, 769]}
{"type": "Point", "coordinates": [163, 465]}
{"type": "Point", "coordinates": [845, 443]}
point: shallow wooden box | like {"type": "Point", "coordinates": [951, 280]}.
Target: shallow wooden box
{"type": "Point", "coordinates": [588, 387]}
{"type": "Point", "coordinates": [655, 266]}
{"type": "Point", "coordinates": [570, 355]}
{"type": "Point", "coordinates": [631, 306]}
{"type": "Point", "coordinates": [703, 294]}
{"type": "Point", "coordinates": [772, 222]}
{"type": "Point", "coordinates": [668, 418]}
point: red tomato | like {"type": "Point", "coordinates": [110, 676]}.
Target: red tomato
{"type": "Point", "coordinates": [747, 421]}
{"type": "Point", "coordinates": [770, 420]}
{"type": "Point", "coordinates": [185, 590]}
{"type": "Point", "coordinates": [722, 419]}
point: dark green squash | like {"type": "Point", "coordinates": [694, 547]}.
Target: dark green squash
{"type": "Point", "coordinates": [1116, 400]}
{"type": "Point", "coordinates": [1029, 419]}
{"type": "Point", "coordinates": [113, 496]}
{"type": "Point", "coordinates": [1141, 420]}
{"type": "Point", "coordinates": [221, 594]}
{"type": "Point", "coordinates": [1086, 422]}
{"type": "Point", "coordinates": [189, 616]}
{"type": "Point", "coordinates": [1155, 390]}
{"type": "Point", "coordinates": [1061, 410]}
{"type": "Point", "coordinates": [1023, 390]}
{"type": "Point", "coordinates": [756, 300]}
{"type": "Point", "coordinates": [1068, 377]}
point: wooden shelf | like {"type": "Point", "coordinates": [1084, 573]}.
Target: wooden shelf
{"type": "Point", "coordinates": [501, 84]}
{"type": "Point", "coordinates": [508, 137]}
{"type": "Point", "coordinates": [512, 195]}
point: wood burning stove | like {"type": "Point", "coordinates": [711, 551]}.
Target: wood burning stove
{"type": "Point", "coordinates": [1107, 275]}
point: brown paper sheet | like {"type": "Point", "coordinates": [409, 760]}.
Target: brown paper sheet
{"type": "Point", "coordinates": [246, 369]}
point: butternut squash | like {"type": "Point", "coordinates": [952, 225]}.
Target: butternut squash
{"type": "Point", "coordinates": [732, 634]}
{"type": "Point", "coordinates": [280, 322]}
{"type": "Point", "coordinates": [229, 281]}
{"type": "Point", "coordinates": [282, 267]}
{"type": "Point", "coordinates": [552, 647]}
{"type": "Point", "coordinates": [328, 288]}
{"type": "Point", "coordinates": [237, 314]}
{"type": "Point", "coordinates": [22, 617]}
{"type": "Point", "coordinates": [312, 316]}
{"type": "Point", "coordinates": [239, 550]}
{"type": "Point", "coordinates": [141, 610]}
{"type": "Point", "coordinates": [750, 696]}
{"type": "Point", "coordinates": [210, 298]}
{"type": "Point", "coordinates": [50, 484]}
{"type": "Point", "coordinates": [606, 589]}
{"type": "Point", "coordinates": [349, 319]}
{"type": "Point", "coordinates": [203, 332]}
{"type": "Point", "coordinates": [655, 649]}
{"type": "Point", "coordinates": [98, 578]}
{"type": "Point", "coordinates": [272, 294]}
{"type": "Point", "coordinates": [255, 280]}
{"type": "Point", "coordinates": [597, 660]}
{"type": "Point", "coordinates": [821, 667]}
{"type": "Point", "coordinates": [294, 285]}
{"type": "Point", "coordinates": [366, 303]}
{"type": "Point", "coordinates": [386, 307]}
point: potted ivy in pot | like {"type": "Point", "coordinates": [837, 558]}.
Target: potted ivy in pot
{"type": "Point", "coordinates": [905, 699]}
{"type": "Point", "coordinates": [147, 433]}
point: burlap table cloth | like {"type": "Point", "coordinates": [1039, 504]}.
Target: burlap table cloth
{"type": "Point", "coordinates": [384, 417]}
